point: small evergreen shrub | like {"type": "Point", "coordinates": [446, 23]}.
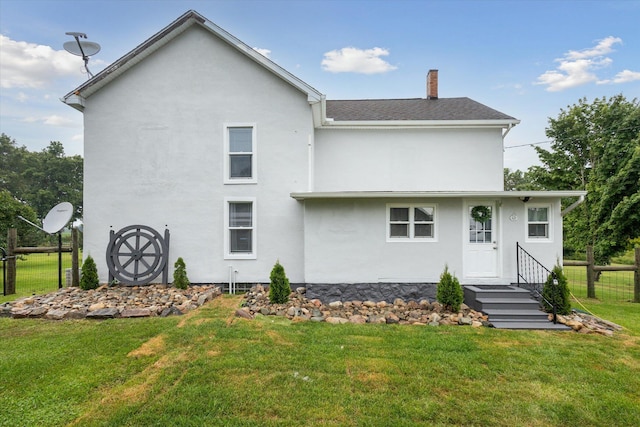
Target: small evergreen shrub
{"type": "Point", "coordinates": [180, 279]}
{"type": "Point", "coordinates": [279, 289]}
{"type": "Point", "coordinates": [89, 278]}
{"type": "Point", "coordinates": [556, 294]}
{"type": "Point", "coordinates": [449, 292]}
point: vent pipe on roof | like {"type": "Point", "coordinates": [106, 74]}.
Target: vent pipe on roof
{"type": "Point", "coordinates": [432, 84]}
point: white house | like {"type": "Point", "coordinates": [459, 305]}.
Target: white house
{"type": "Point", "coordinates": [195, 132]}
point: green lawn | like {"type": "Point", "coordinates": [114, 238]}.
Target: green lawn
{"type": "Point", "coordinates": [210, 368]}
{"type": "Point", "coordinates": [37, 274]}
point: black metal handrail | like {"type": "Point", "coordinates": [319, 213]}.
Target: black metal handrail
{"type": "Point", "coordinates": [535, 275]}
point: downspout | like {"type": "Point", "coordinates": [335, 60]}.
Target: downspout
{"type": "Point", "coordinates": [573, 206]}
{"type": "Point", "coordinates": [504, 135]}
{"type": "Point", "coordinates": [311, 161]}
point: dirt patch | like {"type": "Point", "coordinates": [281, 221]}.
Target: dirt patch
{"type": "Point", "coordinates": [149, 348]}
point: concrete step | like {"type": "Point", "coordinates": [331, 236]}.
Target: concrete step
{"type": "Point", "coordinates": [531, 324]}
{"type": "Point", "coordinates": [507, 304]}
{"type": "Point", "coordinates": [525, 314]}
{"type": "Point", "coordinates": [497, 292]}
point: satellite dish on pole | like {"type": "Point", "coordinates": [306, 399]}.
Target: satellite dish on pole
{"type": "Point", "coordinates": [57, 218]}
{"type": "Point", "coordinates": [82, 48]}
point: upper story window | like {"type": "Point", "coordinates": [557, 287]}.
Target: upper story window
{"type": "Point", "coordinates": [240, 154]}
{"type": "Point", "coordinates": [538, 222]}
{"type": "Point", "coordinates": [411, 223]}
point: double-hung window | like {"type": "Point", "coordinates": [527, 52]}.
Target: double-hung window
{"type": "Point", "coordinates": [240, 228]}
{"type": "Point", "coordinates": [411, 222]}
{"type": "Point", "coordinates": [538, 223]}
{"type": "Point", "coordinates": [240, 154]}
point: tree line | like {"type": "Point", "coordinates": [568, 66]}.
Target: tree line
{"type": "Point", "coordinates": [595, 147]}
{"type": "Point", "coordinates": [31, 183]}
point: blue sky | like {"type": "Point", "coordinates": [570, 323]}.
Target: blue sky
{"type": "Point", "coordinates": [528, 59]}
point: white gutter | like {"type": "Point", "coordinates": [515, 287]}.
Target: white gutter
{"type": "Point", "coordinates": [525, 196]}
{"type": "Point", "coordinates": [511, 125]}
{"type": "Point", "coordinates": [391, 124]}
{"type": "Point", "coordinates": [573, 206]}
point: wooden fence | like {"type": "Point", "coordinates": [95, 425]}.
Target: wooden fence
{"type": "Point", "coordinates": [593, 270]}
{"type": "Point", "coordinates": [13, 250]}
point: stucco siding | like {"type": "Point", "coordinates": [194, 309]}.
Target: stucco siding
{"type": "Point", "coordinates": [154, 156]}
{"type": "Point", "coordinates": [346, 242]}
{"type": "Point", "coordinates": [408, 160]}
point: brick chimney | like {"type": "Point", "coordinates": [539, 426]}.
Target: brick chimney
{"type": "Point", "coordinates": [432, 84]}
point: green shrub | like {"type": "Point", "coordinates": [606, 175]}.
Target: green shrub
{"type": "Point", "coordinates": [180, 279]}
{"type": "Point", "coordinates": [557, 294]}
{"type": "Point", "coordinates": [89, 279]}
{"type": "Point", "coordinates": [279, 289]}
{"type": "Point", "coordinates": [449, 292]}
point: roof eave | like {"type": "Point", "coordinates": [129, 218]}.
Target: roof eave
{"type": "Point", "coordinates": [167, 34]}
{"type": "Point", "coordinates": [444, 124]}
{"type": "Point", "coordinates": [528, 195]}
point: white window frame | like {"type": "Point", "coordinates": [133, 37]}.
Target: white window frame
{"type": "Point", "coordinates": [549, 223]}
{"type": "Point", "coordinates": [227, 229]}
{"type": "Point", "coordinates": [412, 223]}
{"type": "Point", "coordinates": [227, 155]}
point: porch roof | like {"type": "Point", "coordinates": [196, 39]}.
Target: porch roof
{"type": "Point", "coordinates": [319, 195]}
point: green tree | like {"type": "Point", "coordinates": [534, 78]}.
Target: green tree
{"type": "Point", "coordinates": [41, 179]}
{"type": "Point", "coordinates": [10, 208]}
{"type": "Point", "coordinates": [12, 165]}
{"type": "Point", "coordinates": [180, 279]}
{"type": "Point", "coordinates": [279, 289]}
{"type": "Point", "coordinates": [52, 178]}
{"type": "Point", "coordinates": [595, 148]}
{"type": "Point", "coordinates": [449, 292]}
{"type": "Point", "coordinates": [556, 292]}
{"type": "Point", "coordinates": [89, 279]}
{"type": "Point", "coordinates": [516, 180]}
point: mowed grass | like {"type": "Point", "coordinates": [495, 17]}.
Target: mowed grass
{"type": "Point", "coordinates": [37, 274]}
{"type": "Point", "coordinates": [211, 368]}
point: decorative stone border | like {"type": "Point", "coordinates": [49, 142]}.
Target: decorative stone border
{"type": "Point", "coordinates": [111, 301]}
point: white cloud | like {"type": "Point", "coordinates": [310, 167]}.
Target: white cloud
{"type": "Point", "coordinates": [264, 52]}
{"type": "Point", "coordinates": [577, 68]}
{"type": "Point", "coordinates": [55, 120]}
{"type": "Point", "coordinates": [603, 47]}
{"type": "Point", "coordinates": [624, 76]}
{"type": "Point", "coordinates": [354, 60]}
{"type": "Point", "coordinates": [52, 120]}
{"type": "Point", "coordinates": [29, 65]}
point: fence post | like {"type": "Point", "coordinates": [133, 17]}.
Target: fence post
{"type": "Point", "coordinates": [636, 277]}
{"type": "Point", "coordinates": [75, 253]}
{"type": "Point", "coordinates": [12, 243]}
{"type": "Point", "coordinates": [591, 273]}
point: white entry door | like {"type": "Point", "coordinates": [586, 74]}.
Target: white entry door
{"type": "Point", "coordinates": [481, 240]}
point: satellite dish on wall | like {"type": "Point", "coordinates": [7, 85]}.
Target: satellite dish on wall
{"type": "Point", "coordinates": [82, 48]}
{"type": "Point", "coordinates": [57, 218]}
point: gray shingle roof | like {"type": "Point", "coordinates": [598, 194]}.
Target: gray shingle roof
{"type": "Point", "coordinates": [412, 109]}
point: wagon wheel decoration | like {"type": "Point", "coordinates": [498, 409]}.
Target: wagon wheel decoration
{"type": "Point", "coordinates": [137, 254]}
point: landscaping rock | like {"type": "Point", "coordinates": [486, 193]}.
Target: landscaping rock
{"type": "Point", "coordinates": [111, 301]}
